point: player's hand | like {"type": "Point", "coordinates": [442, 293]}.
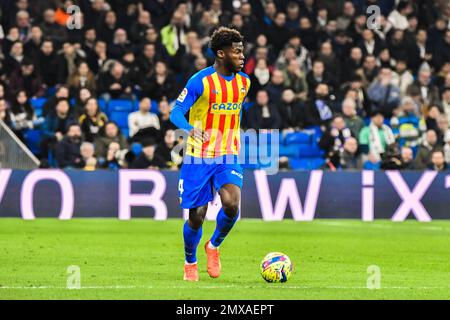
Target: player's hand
{"type": "Point", "coordinates": [199, 134]}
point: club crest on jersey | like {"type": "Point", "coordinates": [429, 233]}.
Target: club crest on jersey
{"type": "Point", "coordinates": [182, 95]}
{"type": "Point", "coordinates": [243, 90]}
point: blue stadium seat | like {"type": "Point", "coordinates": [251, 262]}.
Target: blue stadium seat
{"type": "Point", "coordinates": [306, 164]}
{"type": "Point", "coordinates": [298, 137]}
{"type": "Point", "coordinates": [120, 117]}
{"type": "Point", "coordinates": [37, 104]}
{"type": "Point", "coordinates": [120, 105]}
{"type": "Point", "coordinates": [308, 151]}
{"type": "Point", "coordinates": [102, 105]}
{"type": "Point", "coordinates": [32, 140]}
{"type": "Point", "coordinates": [125, 132]}
{"type": "Point", "coordinates": [289, 151]}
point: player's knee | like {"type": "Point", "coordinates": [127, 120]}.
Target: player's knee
{"type": "Point", "coordinates": [196, 217]}
{"type": "Point", "coordinates": [231, 206]}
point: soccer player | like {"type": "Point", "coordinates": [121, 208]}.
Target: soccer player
{"type": "Point", "coordinates": [214, 97]}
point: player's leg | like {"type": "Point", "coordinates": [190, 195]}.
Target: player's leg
{"type": "Point", "coordinates": [195, 191]}
{"type": "Point", "coordinates": [228, 180]}
{"type": "Point", "coordinates": [192, 232]}
{"type": "Point", "coordinates": [230, 196]}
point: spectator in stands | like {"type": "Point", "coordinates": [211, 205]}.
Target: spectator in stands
{"type": "Point", "coordinates": [24, 25]}
{"type": "Point", "coordinates": [264, 114]}
{"type": "Point", "coordinates": [350, 158]}
{"type": "Point", "coordinates": [160, 84]}
{"type": "Point", "coordinates": [290, 110]}
{"type": "Point", "coordinates": [446, 102]}
{"type": "Point", "coordinates": [27, 79]}
{"type": "Point", "coordinates": [355, 90]}
{"type": "Point", "coordinates": [370, 44]}
{"type": "Point", "coordinates": [402, 77]}
{"type": "Point", "coordinates": [67, 150]}
{"type": "Point", "coordinates": [172, 35]}
{"type": "Point", "coordinates": [114, 157]}
{"type": "Point", "coordinates": [147, 159]}
{"type": "Point", "coordinates": [92, 120]}
{"type": "Point", "coordinates": [107, 27]}
{"type": "Point", "coordinates": [49, 107]}
{"type": "Point", "coordinates": [352, 121]}
{"type": "Point", "coordinates": [275, 86]}
{"type": "Point", "coordinates": [139, 28]}
{"type": "Point", "coordinates": [438, 161]}
{"type": "Point", "coordinates": [318, 109]}
{"type": "Point", "coordinates": [109, 133]}
{"type": "Point", "coordinates": [22, 115]}
{"type": "Point", "coordinates": [120, 45]}
{"type": "Point", "coordinates": [398, 17]}
{"type": "Point", "coordinates": [114, 84]}
{"type": "Point", "coordinates": [51, 29]}
{"type": "Point", "coordinates": [87, 153]}
{"type": "Point", "coordinates": [369, 70]}
{"type": "Point", "coordinates": [5, 114]}
{"type": "Point", "coordinates": [68, 59]}
{"type": "Point", "coordinates": [375, 138]}
{"type": "Point", "coordinates": [33, 46]}
{"type": "Point", "coordinates": [169, 158]}
{"type": "Point", "coordinates": [143, 123]}
{"type": "Point", "coordinates": [56, 125]}
{"type": "Point", "coordinates": [447, 147]}
{"type": "Point", "coordinates": [407, 159]}
{"type": "Point", "coordinates": [260, 76]}
{"type": "Point", "coordinates": [333, 140]}
{"type": "Point", "coordinates": [295, 79]}
{"type": "Point", "coordinates": [80, 101]}
{"type": "Point", "coordinates": [47, 63]}
{"type": "Point", "coordinates": [424, 153]}
{"type": "Point", "coordinates": [164, 117]}
{"type": "Point", "coordinates": [442, 128]}
{"type": "Point", "coordinates": [80, 79]}
{"type": "Point", "coordinates": [14, 59]}
{"type": "Point", "coordinates": [352, 63]}
{"type": "Point", "coordinates": [318, 75]}
{"type": "Point", "coordinates": [99, 58]}
{"type": "Point", "coordinates": [383, 94]}
{"type": "Point", "coordinates": [406, 123]}
{"type": "Point", "coordinates": [423, 88]}
{"type": "Point", "coordinates": [392, 159]}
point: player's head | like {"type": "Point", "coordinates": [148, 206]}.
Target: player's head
{"type": "Point", "coordinates": [228, 48]}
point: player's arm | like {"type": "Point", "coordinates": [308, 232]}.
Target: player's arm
{"type": "Point", "coordinates": [186, 99]}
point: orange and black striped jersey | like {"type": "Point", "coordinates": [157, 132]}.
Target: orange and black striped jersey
{"type": "Point", "coordinates": [214, 102]}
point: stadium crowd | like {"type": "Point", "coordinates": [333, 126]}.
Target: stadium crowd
{"type": "Point", "coordinates": [375, 96]}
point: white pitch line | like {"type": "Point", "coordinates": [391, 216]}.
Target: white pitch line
{"type": "Point", "coordinates": [344, 224]}
{"type": "Point", "coordinates": [275, 287]}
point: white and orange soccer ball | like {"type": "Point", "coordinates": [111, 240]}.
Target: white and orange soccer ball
{"type": "Point", "coordinates": [276, 267]}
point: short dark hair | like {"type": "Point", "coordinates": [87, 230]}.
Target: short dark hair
{"type": "Point", "coordinates": [224, 37]}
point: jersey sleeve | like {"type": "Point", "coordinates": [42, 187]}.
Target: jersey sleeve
{"type": "Point", "coordinates": [190, 93]}
{"type": "Point", "coordinates": [186, 99]}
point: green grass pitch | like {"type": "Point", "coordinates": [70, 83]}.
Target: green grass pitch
{"type": "Point", "coordinates": [143, 259]}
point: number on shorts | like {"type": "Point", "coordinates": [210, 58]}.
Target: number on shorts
{"type": "Point", "coordinates": [180, 186]}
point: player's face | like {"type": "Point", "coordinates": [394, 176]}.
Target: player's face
{"type": "Point", "coordinates": [234, 57]}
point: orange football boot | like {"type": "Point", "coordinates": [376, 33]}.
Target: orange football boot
{"type": "Point", "coordinates": [190, 272]}
{"type": "Point", "coordinates": [213, 258]}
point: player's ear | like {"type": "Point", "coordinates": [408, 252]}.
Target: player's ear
{"type": "Point", "coordinates": [220, 54]}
